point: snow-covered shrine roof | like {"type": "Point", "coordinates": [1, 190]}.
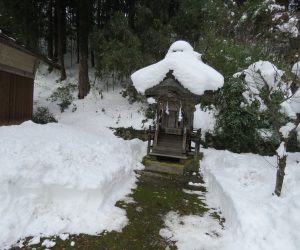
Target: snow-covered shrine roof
{"type": "Point", "coordinates": [187, 68]}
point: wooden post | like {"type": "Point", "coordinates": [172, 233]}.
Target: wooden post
{"type": "Point", "coordinates": [156, 135]}
{"type": "Point", "coordinates": [197, 148]}
{"type": "Point", "coordinates": [149, 140]}
{"type": "Point", "coordinates": [184, 140]}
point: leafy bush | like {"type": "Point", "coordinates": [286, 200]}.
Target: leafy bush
{"type": "Point", "coordinates": [237, 126]}
{"type": "Point", "coordinates": [150, 112]}
{"type": "Point", "coordinates": [63, 95]}
{"type": "Point", "coordinates": [131, 93]}
{"type": "Point", "coordinates": [43, 116]}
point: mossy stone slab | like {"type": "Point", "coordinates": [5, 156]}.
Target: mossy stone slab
{"type": "Point", "coordinates": [173, 168]}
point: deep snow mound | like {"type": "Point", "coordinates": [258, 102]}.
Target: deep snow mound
{"type": "Point", "coordinates": [57, 179]}
{"type": "Point", "coordinates": [186, 66]}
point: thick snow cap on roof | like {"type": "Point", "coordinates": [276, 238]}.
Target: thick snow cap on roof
{"type": "Point", "coordinates": [187, 68]}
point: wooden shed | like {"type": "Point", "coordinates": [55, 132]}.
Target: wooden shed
{"type": "Point", "coordinates": [177, 84]}
{"type": "Point", "coordinates": [17, 72]}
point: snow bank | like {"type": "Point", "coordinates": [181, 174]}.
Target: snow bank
{"type": "Point", "coordinates": [187, 68]}
{"type": "Point", "coordinates": [57, 179]}
{"type": "Point", "coordinates": [242, 184]}
{"type": "Point", "coordinates": [204, 120]}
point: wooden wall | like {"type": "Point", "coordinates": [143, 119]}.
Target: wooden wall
{"type": "Point", "coordinates": [16, 98]}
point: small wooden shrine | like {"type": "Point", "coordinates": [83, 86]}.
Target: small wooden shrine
{"type": "Point", "coordinates": [173, 132]}
{"type": "Point", "coordinates": [177, 84]}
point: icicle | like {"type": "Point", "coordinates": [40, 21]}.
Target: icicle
{"type": "Point", "coordinates": [167, 109]}
{"type": "Point", "coordinates": [180, 114]}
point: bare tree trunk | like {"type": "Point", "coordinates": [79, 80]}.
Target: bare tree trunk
{"type": "Point", "coordinates": [59, 11]}
{"type": "Point", "coordinates": [64, 27]}
{"type": "Point", "coordinates": [280, 174]}
{"type": "Point", "coordinates": [55, 55]}
{"type": "Point", "coordinates": [77, 37]}
{"type": "Point", "coordinates": [50, 30]}
{"type": "Point", "coordinates": [281, 159]}
{"type": "Point", "coordinates": [92, 58]}
{"type": "Point", "coordinates": [84, 83]}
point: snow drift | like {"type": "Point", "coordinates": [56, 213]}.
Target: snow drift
{"type": "Point", "coordinates": [57, 179]}
{"type": "Point", "coordinates": [187, 68]}
{"type": "Point", "coordinates": [242, 185]}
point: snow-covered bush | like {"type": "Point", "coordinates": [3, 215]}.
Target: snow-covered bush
{"type": "Point", "coordinates": [250, 109]}
{"type": "Point", "coordinates": [43, 116]}
{"type": "Point", "coordinates": [64, 96]}
{"type": "Point", "coordinates": [263, 22]}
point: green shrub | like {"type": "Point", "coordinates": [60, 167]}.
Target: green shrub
{"type": "Point", "coordinates": [150, 112]}
{"type": "Point", "coordinates": [131, 93]}
{"type": "Point", "coordinates": [237, 126]}
{"type": "Point", "coordinates": [131, 133]}
{"type": "Point", "coordinates": [63, 95]}
{"type": "Point", "coordinates": [43, 116]}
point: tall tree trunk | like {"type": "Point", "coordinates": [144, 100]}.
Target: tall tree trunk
{"type": "Point", "coordinates": [59, 11]}
{"type": "Point", "coordinates": [84, 17]}
{"type": "Point", "coordinates": [55, 56]}
{"type": "Point", "coordinates": [77, 36]}
{"type": "Point", "coordinates": [98, 15]}
{"type": "Point", "coordinates": [92, 58]}
{"type": "Point", "coordinates": [64, 27]}
{"type": "Point", "coordinates": [50, 30]}
{"type": "Point", "coordinates": [131, 13]}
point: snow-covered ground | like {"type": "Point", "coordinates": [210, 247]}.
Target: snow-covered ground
{"type": "Point", "coordinates": [66, 177]}
{"type": "Point", "coordinates": [241, 186]}
{"type": "Point", "coordinates": [193, 232]}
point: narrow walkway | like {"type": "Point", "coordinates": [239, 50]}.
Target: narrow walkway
{"type": "Point", "coordinates": [153, 198]}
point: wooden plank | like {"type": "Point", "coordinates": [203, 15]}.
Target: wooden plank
{"type": "Point", "coordinates": [13, 44]}
{"type": "Point", "coordinates": [4, 98]}
{"type": "Point", "coordinates": [169, 155]}
{"type": "Point", "coordinates": [15, 71]}
{"type": "Point", "coordinates": [21, 100]}
{"type": "Point", "coordinates": [17, 59]}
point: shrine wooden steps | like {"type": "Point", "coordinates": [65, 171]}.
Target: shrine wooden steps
{"type": "Point", "coordinates": [169, 145]}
